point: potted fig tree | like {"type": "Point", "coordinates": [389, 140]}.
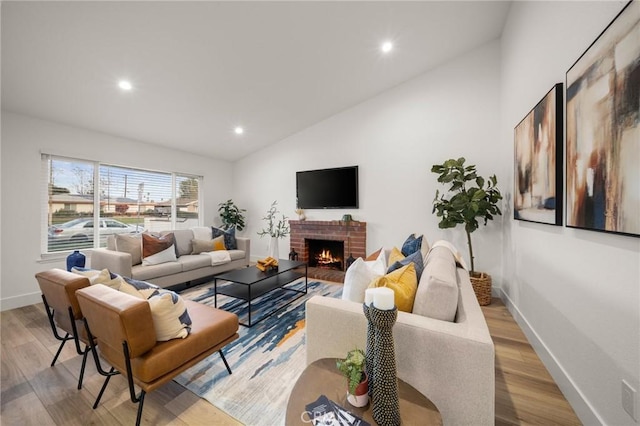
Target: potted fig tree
{"type": "Point", "coordinates": [353, 368]}
{"type": "Point", "coordinates": [231, 215]}
{"type": "Point", "coordinates": [469, 198]}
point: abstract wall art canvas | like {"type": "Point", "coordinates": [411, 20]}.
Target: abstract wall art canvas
{"type": "Point", "coordinates": [538, 162]}
{"type": "Point", "coordinates": [603, 133]}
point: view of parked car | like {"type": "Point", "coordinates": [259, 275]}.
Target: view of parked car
{"type": "Point", "coordinates": [80, 232]}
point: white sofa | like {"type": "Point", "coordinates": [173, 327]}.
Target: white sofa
{"type": "Point", "coordinates": [186, 268]}
{"type": "Point", "coordinates": [451, 363]}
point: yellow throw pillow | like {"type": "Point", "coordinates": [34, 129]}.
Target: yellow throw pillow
{"type": "Point", "coordinates": [404, 284]}
{"type": "Point", "coordinates": [218, 243]}
{"type": "Point", "coordinates": [395, 256]}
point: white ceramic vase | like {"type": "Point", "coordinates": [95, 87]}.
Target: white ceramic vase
{"type": "Point", "coordinates": [273, 248]}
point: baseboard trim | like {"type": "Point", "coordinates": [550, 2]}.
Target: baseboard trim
{"type": "Point", "coordinates": [584, 410]}
{"type": "Point", "coordinates": [20, 301]}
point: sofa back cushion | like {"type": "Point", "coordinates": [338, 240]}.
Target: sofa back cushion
{"type": "Point", "coordinates": [182, 239]}
{"type": "Point", "coordinates": [437, 295]}
{"type": "Point", "coordinates": [131, 244]}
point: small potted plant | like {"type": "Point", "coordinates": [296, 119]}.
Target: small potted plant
{"type": "Point", "coordinates": [353, 368]}
{"type": "Point", "coordinates": [231, 215]}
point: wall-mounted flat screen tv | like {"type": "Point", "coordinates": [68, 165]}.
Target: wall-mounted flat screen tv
{"type": "Point", "coordinates": [328, 188]}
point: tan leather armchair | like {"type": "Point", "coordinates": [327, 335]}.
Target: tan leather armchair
{"type": "Point", "coordinates": [123, 327]}
{"type": "Point", "coordinates": [58, 289]}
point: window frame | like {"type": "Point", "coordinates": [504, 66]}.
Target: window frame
{"type": "Point", "coordinates": [98, 219]}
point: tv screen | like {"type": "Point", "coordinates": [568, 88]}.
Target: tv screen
{"type": "Point", "coordinates": [328, 188]}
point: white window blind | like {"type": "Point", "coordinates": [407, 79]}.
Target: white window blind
{"type": "Point", "coordinates": [87, 201]}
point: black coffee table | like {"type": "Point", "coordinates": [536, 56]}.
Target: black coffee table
{"type": "Point", "coordinates": [250, 283]}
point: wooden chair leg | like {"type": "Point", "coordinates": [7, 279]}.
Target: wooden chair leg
{"type": "Point", "coordinates": [225, 361]}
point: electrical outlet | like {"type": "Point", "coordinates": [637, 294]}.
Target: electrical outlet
{"type": "Point", "coordinates": [629, 400]}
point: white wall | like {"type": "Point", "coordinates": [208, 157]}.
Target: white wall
{"type": "Point", "coordinates": [23, 140]}
{"type": "Point", "coordinates": [575, 292]}
{"type": "Point", "coordinates": [394, 138]}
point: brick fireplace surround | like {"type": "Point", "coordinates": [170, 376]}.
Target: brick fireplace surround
{"type": "Point", "coordinates": [354, 238]}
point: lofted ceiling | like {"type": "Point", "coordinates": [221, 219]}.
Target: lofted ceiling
{"type": "Point", "coordinates": [199, 69]}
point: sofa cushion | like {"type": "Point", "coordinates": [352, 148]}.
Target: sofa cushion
{"type": "Point", "coordinates": [192, 261]}
{"type": "Point", "coordinates": [359, 275]}
{"type": "Point", "coordinates": [229, 237]}
{"type": "Point", "coordinates": [131, 244]}
{"type": "Point", "coordinates": [437, 295]}
{"type": "Point", "coordinates": [143, 272]}
{"type": "Point", "coordinates": [156, 250]}
{"type": "Point", "coordinates": [404, 284]}
{"type": "Point", "coordinates": [182, 240]}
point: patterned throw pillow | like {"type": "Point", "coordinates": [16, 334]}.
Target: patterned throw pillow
{"type": "Point", "coordinates": [404, 284]}
{"type": "Point", "coordinates": [415, 258]}
{"type": "Point", "coordinates": [229, 236]}
{"type": "Point", "coordinates": [99, 277]}
{"type": "Point", "coordinates": [203, 246]}
{"type": "Point", "coordinates": [411, 245]}
{"type": "Point", "coordinates": [170, 317]}
{"type": "Point", "coordinates": [156, 250]}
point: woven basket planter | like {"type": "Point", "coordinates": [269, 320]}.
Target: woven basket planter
{"type": "Point", "coordinates": [481, 283]}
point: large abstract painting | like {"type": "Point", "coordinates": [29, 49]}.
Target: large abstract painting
{"type": "Point", "coordinates": [603, 133]}
{"type": "Point", "coordinates": [538, 152]}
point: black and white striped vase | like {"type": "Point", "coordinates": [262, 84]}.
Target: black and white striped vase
{"type": "Point", "coordinates": [369, 349]}
{"type": "Point", "coordinates": [386, 403]}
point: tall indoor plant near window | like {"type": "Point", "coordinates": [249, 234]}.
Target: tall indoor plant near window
{"type": "Point", "coordinates": [231, 215]}
{"type": "Point", "coordinates": [276, 228]}
{"type": "Point", "coordinates": [470, 197]}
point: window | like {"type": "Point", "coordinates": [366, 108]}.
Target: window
{"type": "Point", "coordinates": [86, 202]}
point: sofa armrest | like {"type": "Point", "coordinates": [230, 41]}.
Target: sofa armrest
{"type": "Point", "coordinates": [245, 245]}
{"type": "Point", "coordinates": [115, 261]}
{"type": "Point", "coordinates": [451, 364]}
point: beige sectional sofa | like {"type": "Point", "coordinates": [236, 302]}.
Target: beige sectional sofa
{"type": "Point", "coordinates": [451, 363]}
{"type": "Point", "coordinates": [186, 268]}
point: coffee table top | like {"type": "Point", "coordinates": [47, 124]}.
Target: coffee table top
{"type": "Point", "coordinates": [252, 274]}
{"type": "Point", "coordinates": [323, 378]}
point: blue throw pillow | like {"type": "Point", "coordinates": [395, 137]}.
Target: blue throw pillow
{"type": "Point", "coordinates": [411, 245]}
{"type": "Point", "coordinates": [229, 237]}
{"type": "Point", "coordinates": [416, 258]}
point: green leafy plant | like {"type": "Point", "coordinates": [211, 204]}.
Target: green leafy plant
{"type": "Point", "coordinates": [275, 228]}
{"type": "Point", "coordinates": [352, 367]}
{"type": "Point", "coordinates": [467, 202]}
{"type": "Point", "coordinates": [231, 215]}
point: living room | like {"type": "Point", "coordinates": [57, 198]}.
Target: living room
{"type": "Point", "coordinates": [575, 293]}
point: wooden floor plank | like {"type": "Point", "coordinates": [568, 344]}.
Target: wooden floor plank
{"type": "Point", "coordinates": [35, 393]}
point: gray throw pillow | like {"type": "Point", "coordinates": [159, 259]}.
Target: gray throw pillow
{"type": "Point", "coordinates": [132, 245]}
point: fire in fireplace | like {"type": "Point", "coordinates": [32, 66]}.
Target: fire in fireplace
{"type": "Point", "coordinates": [326, 254]}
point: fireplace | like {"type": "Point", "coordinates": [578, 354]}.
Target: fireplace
{"type": "Point", "coordinates": [326, 254]}
{"type": "Point", "coordinates": [352, 237]}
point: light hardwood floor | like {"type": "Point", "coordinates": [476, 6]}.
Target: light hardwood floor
{"type": "Point", "coordinates": [33, 393]}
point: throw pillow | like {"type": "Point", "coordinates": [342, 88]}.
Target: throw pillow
{"type": "Point", "coordinates": [404, 284]}
{"type": "Point", "coordinates": [156, 250]}
{"type": "Point", "coordinates": [373, 256]}
{"type": "Point", "coordinates": [229, 237]}
{"type": "Point", "coordinates": [203, 246]}
{"type": "Point", "coordinates": [395, 255]}
{"type": "Point", "coordinates": [201, 233]}
{"type": "Point", "coordinates": [415, 258]}
{"type": "Point", "coordinates": [170, 317]}
{"type": "Point", "coordinates": [359, 275]}
{"type": "Point", "coordinates": [411, 245]}
{"type": "Point", "coordinates": [437, 295]}
{"type": "Point", "coordinates": [132, 245]}
{"type": "Point", "coordinates": [99, 277]}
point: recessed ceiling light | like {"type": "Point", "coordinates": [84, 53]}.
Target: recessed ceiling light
{"type": "Point", "coordinates": [125, 85]}
{"type": "Point", "coordinates": [386, 46]}
{"type": "Point", "coordinates": [238, 130]}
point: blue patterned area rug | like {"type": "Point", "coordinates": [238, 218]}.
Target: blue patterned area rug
{"type": "Point", "coordinates": [266, 360]}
